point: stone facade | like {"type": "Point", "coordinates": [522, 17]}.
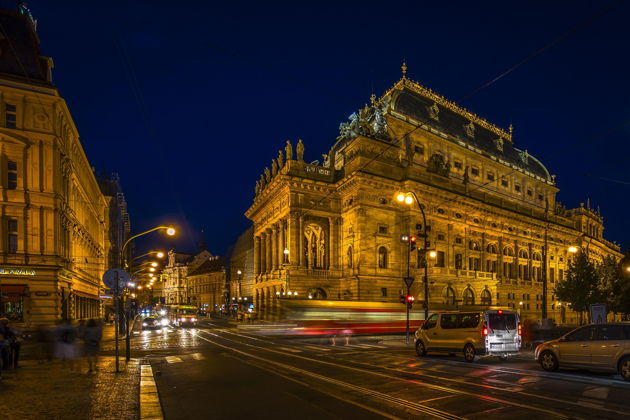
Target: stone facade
{"type": "Point", "coordinates": [54, 217]}
{"type": "Point", "coordinates": [207, 286]}
{"type": "Point", "coordinates": [333, 230]}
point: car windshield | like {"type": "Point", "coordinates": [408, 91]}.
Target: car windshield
{"type": "Point", "coordinates": [149, 319]}
{"type": "Point", "coordinates": [502, 322]}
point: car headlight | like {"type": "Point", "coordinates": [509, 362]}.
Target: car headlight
{"type": "Point", "coordinates": [164, 322]}
{"type": "Point", "coordinates": [194, 319]}
{"type": "Point", "coordinates": [144, 324]}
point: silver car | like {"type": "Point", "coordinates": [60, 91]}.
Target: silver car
{"type": "Point", "coordinates": [599, 347]}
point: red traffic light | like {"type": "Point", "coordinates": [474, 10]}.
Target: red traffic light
{"type": "Point", "coordinates": [413, 238]}
{"type": "Point", "coordinates": [410, 298]}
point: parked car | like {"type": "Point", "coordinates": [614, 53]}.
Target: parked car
{"type": "Point", "coordinates": [473, 333]}
{"type": "Point", "coordinates": [151, 323]}
{"type": "Point", "coordinates": [598, 347]}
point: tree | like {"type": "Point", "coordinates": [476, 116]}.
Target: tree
{"type": "Point", "coordinates": [620, 284]}
{"type": "Point", "coordinates": [580, 288]}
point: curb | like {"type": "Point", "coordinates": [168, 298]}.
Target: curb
{"type": "Point", "coordinates": [150, 407]}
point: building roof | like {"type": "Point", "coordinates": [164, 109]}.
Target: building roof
{"type": "Point", "coordinates": [20, 57]}
{"type": "Point", "coordinates": [430, 109]}
{"type": "Point", "coordinates": [209, 266]}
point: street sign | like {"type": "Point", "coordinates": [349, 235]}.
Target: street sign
{"type": "Point", "coordinates": [408, 281]}
{"type": "Point", "coordinates": [113, 274]}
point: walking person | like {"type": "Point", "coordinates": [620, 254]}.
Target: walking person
{"type": "Point", "coordinates": [66, 344]}
{"type": "Point", "coordinates": [14, 339]}
{"type": "Point", "coordinates": [92, 335]}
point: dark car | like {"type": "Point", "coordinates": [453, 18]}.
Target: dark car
{"type": "Point", "coordinates": [151, 323]}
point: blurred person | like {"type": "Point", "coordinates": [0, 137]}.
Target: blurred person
{"type": "Point", "coordinates": [92, 335]}
{"type": "Point", "coordinates": [14, 338]}
{"type": "Point", "coordinates": [45, 340]}
{"type": "Point", "coordinates": [5, 346]}
{"type": "Point", "coordinates": [66, 346]}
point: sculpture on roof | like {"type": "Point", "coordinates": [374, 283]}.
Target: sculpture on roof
{"type": "Point", "coordinates": [369, 121]}
{"type": "Point", "coordinates": [300, 151]}
{"type": "Point", "coordinates": [257, 188]}
{"type": "Point", "coordinates": [438, 165]}
{"type": "Point", "coordinates": [267, 175]}
{"type": "Point", "coordinates": [280, 159]}
{"type": "Point", "coordinates": [262, 182]}
{"type": "Point", "coordinates": [288, 149]}
{"type": "Point", "coordinates": [274, 167]}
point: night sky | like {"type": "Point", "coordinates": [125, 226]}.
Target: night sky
{"type": "Point", "coordinates": [189, 101]}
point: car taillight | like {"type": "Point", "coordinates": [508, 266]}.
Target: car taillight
{"type": "Point", "coordinates": [485, 332]}
{"type": "Point", "coordinates": [520, 330]}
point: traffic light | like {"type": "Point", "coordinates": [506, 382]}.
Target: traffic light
{"type": "Point", "coordinates": [412, 242]}
{"type": "Point", "coordinates": [409, 300]}
{"type": "Point", "coordinates": [403, 299]}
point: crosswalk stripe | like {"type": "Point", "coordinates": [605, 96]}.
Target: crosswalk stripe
{"type": "Point", "coordinates": [369, 346]}
{"type": "Point", "coordinates": [317, 348]}
{"type": "Point", "coordinates": [290, 349]}
{"type": "Point", "coordinates": [173, 359]}
{"type": "Point", "coordinates": [600, 393]}
{"type": "Point", "coordinates": [198, 356]}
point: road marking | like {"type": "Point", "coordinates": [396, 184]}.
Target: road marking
{"type": "Point", "coordinates": [317, 348]}
{"type": "Point", "coordinates": [198, 356]}
{"type": "Point", "coordinates": [150, 408]}
{"type": "Point", "coordinates": [290, 349]}
{"type": "Point", "coordinates": [367, 346]}
{"type": "Point", "coordinates": [173, 359]}
{"type": "Point", "coordinates": [596, 392]}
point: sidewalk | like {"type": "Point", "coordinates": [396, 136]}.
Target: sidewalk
{"type": "Point", "coordinates": [47, 391]}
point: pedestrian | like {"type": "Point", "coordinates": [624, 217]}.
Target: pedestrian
{"type": "Point", "coordinates": [92, 335]}
{"type": "Point", "coordinates": [5, 343]}
{"type": "Point", "coordinates": [66, 346]}
{"type": "Point", "coordinates": [14, 338]}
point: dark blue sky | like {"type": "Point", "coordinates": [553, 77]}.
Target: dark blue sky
{"type": "Point", "coordinates": [189, 101]}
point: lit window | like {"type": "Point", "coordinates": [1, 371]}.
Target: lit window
{"type": "Point", "coordinates": [10, 115]}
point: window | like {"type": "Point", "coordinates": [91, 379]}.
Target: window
{"type": "Point", "coordinates": [469, 297]}
{"type": "Point", "coordinates": [504, 183]}
{"type": "Point", "coordinates": [458, 215]}
{"type": "Point", "coordinates": [473, 245]}
{"type": "Point", "coordinates": [475, 171]}
{"type": "Point", "coordinates": [517, 188]}
{"type": "Point", "coordinates": [431, 322]}
{"type": "Point", "coordinates": [492, 249]}
{"type": "Point", "coordinates": [458, 240]}
{"type": "Point", "coordinates": [458, 261]}
{"type": "Point", "coordinates": [10, 115]}
{"type": "Point", "coordinates": [448, 321]}
{"type": "Point", "coordinates": [468, 320]}
{"type": "Point", "coordinates": [12, 236]}
{"type": "Point", "coordinates": [11, 175]}
{"type": "Point", "coordinates": [383, 291]}
{"type": "Point", "coordinates": [439, 261]}
{"type": "Point", "coordinates": [490, 176]}
{"type": "Point", "coordinates": [508, 251]}
{"type": "Point", "coordinates": [449, 296]}
{"type": "Point", "coordinates": [523, 254]}
{"type": "Point", "coordinates": [552, 274]}
{"type": "Point", "coordinates": [560, 274]}
{"type": "Point", "coordinates": [419, 150]}
{"type": "Point", "coordinates": [441, 211]}
{"type": "Point", "coordinates": [486, 297]}
{"type": "Point", "coordinates": [458, 164]}
{"type": "Point", "coordinates": [474, 264]}
{"type": "Point", "coordinates": [582, 334]}
{"type": "Point", "coordinates": [382, 257]}
{"type": "Point", "coordinates": [540, 197]}
{"type": "Point", "coordinates": [382, 229]}
{"type": "Point", "coordinates": [530, 193]}
{"type": "Point", "coordinates": [491, 266]}
{"type": "Point", "coordinates": [440, 237]}
{"type": "Point", "coordinates": [349, 257]}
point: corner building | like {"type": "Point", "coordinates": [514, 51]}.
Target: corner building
{"type": "Point", "coordinates": [489, 207]}
{"type": "Point", "coordinates": [54, 220]}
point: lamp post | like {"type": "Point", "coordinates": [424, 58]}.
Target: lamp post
{"type": "Point", "coordinates": [170, 231]}
{"type": "Point", "coordinates": [408, 198]}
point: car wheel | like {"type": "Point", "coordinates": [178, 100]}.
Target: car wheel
{"type": "Point", "coordinates": [421, 350]}
{"type": "Point", "coordinates": [469, 353]}
{"type": "Point", "coordinates": [548, 361]}
{"type": "Point", "coordinates": [624, 368]}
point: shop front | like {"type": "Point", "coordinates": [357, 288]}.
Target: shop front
{"type": "Point", "coordinates": [13, 301]}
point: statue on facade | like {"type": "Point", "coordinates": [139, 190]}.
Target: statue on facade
{"type": "Point", "coordinates": [274, 167]}
{"type": "Point", "coordinates": [438, 165]}
{"type": "Point", "coordinates": [300, 151]}
{"type": "Point", "coordinates": [262, 182]}
{"type": "Point", "coordinates": [280, 159]}
{"type": "Point", "coordinates": [257, 188]}
{"type": "Point", "coordinates": [267, 175]}
{"type": "Point", "coordinates": [288, 149]}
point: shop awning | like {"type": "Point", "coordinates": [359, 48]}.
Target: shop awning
{"type": "Point", "coordinates": [13, 292]}
{"type": "Point", "coordinates": [84, 294]}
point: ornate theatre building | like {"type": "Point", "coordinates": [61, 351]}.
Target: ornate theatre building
{"type": "Point", "coordinates": [333, 230]}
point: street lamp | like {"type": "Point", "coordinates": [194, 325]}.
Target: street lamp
{"type": "Point", "coordinates": [573, 249]}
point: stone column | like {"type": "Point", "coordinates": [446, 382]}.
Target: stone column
{"type": "Point", "coordinates": [274, 247]}
{"type": "Point", "coordinates": [256, 255]}
{"type": "Point", "coordinates": [263, 253]}
{"type": "Point", "coordinates": [269, 250]}
{"type": "Point", "coordinates": [292, 229]}
{"type": "Point", "coordinates": [300, 242]}
{"type": "Point", "coordinates": [281, 243]}
{"type": "Point", "coordinates": [332, 243]}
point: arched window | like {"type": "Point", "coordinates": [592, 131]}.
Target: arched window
{"type": "Point", "coordinates": [469, 297]}
{"type": "Point", "coordinates": [473, 245]}
{"type": "Point", "coordinates": [523, 254]}
{"type": "Point", "coordinates": [508, 251]}
{"type": "Point", "coordinates": [536, 256]}
{"type": "Point", "coordinates": [486, 297]}
{"type": "Point", "coordinates": [382, 257]}
{"type": "Point", "coordinates": [314, 246]}
{"type": "Point", "coordinates": [317, 293]}
{"type": "Point", "coordinates": [349, 257]}
{"type": "Point", "coordinates": [491, 248]}
{"type": "Point", "coordinates": [449, 296]}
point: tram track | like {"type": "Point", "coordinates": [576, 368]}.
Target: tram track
{"type": "Point", "coordinates": [410, 378]}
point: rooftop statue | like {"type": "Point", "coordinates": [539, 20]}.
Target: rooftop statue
{"type": "Point", "coordinates": [257, 188]}
{"type": "Point", "coordinates": [267, 175]}
{"type": "Point", "coordinates": [438, 165]}
{"type": "Point", "coordinates": [288, 149]}
{"type": "Point", "coordinates": [369, 121]}
{"type": "Point", "coordinates": [274, 167]}
{"type": "Point", "coordinates": [300, 151]}
{"type": "Point", "coordinates": [280, 159]}
{"type": "Point", "coordinates": [262, 182]}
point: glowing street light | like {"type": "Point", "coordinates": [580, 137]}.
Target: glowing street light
{"type": "Point", "coordinates": [171, 231]}
{"type": "Point", "coordinates": [159, 254]}
{"type": "Point", "coordinates": [152, 269]}
{"type": "Point", "coordinates": [573, 249]}
{"type": "Point", "coordinates": [433, 254]}
{"type": "Point", "coordinates": [154, 264]}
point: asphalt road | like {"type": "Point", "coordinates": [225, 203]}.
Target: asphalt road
{"type": "Point", "coordinates": [218, 372]}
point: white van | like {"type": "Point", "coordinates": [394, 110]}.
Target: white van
{"type": "Point", "coordinates": [473, 333]}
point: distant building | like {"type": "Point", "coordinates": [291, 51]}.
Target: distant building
{"type": "Point", "coordinates": [54, 220]}
{"type": "Point", "coordinates": [206, 285]}
{"type": "Point", "coordinates": [333, 229]}
{"type": "Point", "coordinates": [175, 288]}
{"type": "Point", "coordinates": [119, 222]}
{"type": "Point", "coordinates": [240, 268]}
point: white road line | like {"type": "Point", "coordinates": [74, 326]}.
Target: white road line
{"type": "Point", "coordinates": [317, 348]}
{"type": "Point", "coordinates": [368, 346]}
{"type": "Point", "coordinates": [198, 356]}
{"type": "Point", "coordinates": [598, 392]}
{"type": "Point", "coordinates": [173, 359]}
{"type": "Point", "coordinates": [290, 349]}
